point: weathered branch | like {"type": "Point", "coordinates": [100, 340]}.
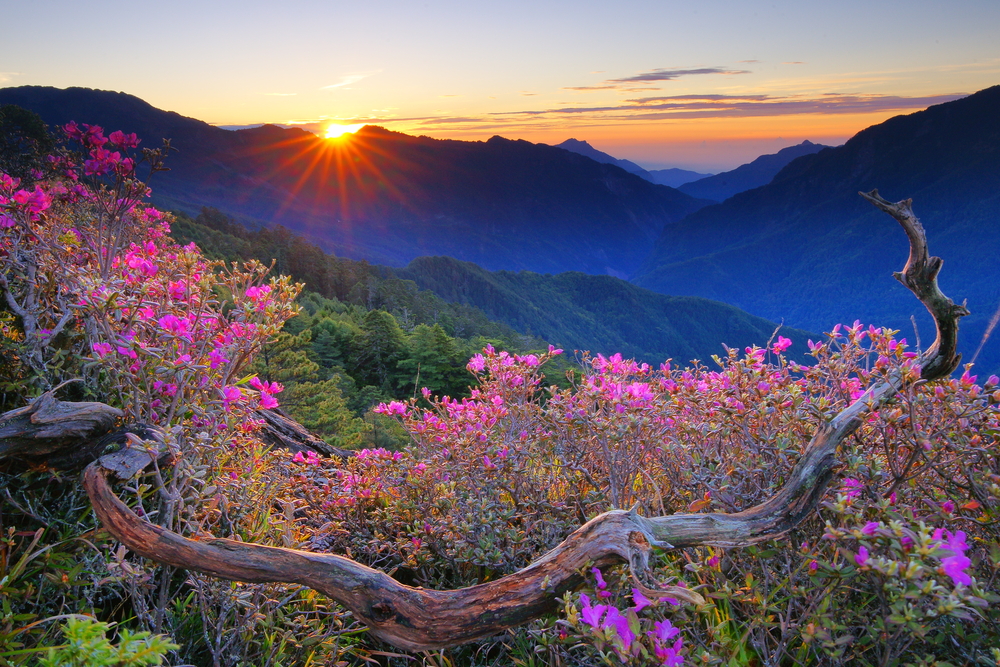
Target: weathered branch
{"type": "Point", "coordinates": [415, 618]}
{"type": "Point", "coordinates": [284, 433]}
{"type": "Point", "coordinates": [61, 434]}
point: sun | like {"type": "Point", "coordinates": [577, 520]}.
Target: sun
{"type": "Point", "coordinates": [337, 131]}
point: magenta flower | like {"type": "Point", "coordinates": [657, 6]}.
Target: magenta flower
{"type": "Point", "coordinates": [641, 601]}
{"type": "Point", "coordinates": [618, 622]}
{"type": "Point", "coordinates": [267, 402]}
{"type": "Point", "coordinates": [101, 349]}
{"type": "Point", "coordinates": [862, 558]}
{"type": "Point", "coordinates": [669, 656]}
{"type": "Point", "coordinates": [599, 578]}
{"type": "Point", "coordinates": [663, 631]}
{"type": "Point", "coordinates": [852, 487]}
{"type": "Point", "coordinates": [782, 345]}
{"type": "Point", "coordinates": [591, 615]}
{"type": "Point", "coordinates": [955, 567]}
{"type": "Point", "coordinates": [870, 528]}
{"type": "Point", "coordinates": [231, 393]}
{"type": "Point", "coordinates": [476, 364]}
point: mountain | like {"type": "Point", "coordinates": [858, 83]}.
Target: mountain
{"type": "Point", "coordinates": [598, 313]}
{"type": "Point", "coordinates": [748, 176]}
{"type": "Point", "coordinates": [390, 197]}
{"type": "Point", "coordinates": [673, 178]}
{"type": "Point", "coordinates": [807, 249]}
{"type": "Point", "coordinates": [575, 311]}
{"type": "Point", "coordinates": [585, 149]}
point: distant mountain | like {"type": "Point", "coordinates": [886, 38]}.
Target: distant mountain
{"type": "Point", "coordinates": [807, 249]}
{"type": "Point", "coordinates": [585, 149]}
{"type": "Point", "coordinates": [748, 176]}
{"type": "Point", "coordinates": [572, 310]}
{"type": "Point", "coordinates": [390, 197]}
{"type": "Point", "coordinates": [598, 313]}
{"type": "Point", "coordinates": [673, 178]}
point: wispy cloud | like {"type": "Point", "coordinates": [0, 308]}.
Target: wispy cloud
{"type": "Point", "coordinates": [673, 107]}
{"type": "Point", "coordinates": [347, 81]}
{"type": "Point", "coordinates": [630, 83]}
{"type": "Point", "coordinates": [8, 76]}
{"type": "Point", "coordinates": [671, 74]}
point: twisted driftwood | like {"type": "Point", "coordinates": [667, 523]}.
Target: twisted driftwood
{"type": "Point", "coordinates": [417, 619]}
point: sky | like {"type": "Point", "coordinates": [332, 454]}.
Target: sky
{"type": "Point", "coordinates": [704, 85]}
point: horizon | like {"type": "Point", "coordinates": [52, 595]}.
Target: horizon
{"type": "Point", "coordinates": [706, 87]}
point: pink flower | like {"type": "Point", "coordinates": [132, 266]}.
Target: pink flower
{"type": "Point", "coordinates": [862, 558]}
{"type": "Point", "coordinates": [231, 393]}
{"type": "Point", "coordinates": [955, 567]}
{"type": "Point", "coordinates": [782, 345]}
{"type": "Point", "coordinates": [591, 615]}
{"type": "Point", "coordinates": [267, 402]}
{"type": "Point", "coordinates": [870, 528]}
{"type": "Point", "coordinates": [618, 622]}
{"type": "Point", "coordinates": [663, 631]}
{"type": "Point", "coordinates": [122, 140]}
{"type": "Point", "coordinates": [852, 487]}
{"type": "Point", "coordinates": [641, 601]}
{"type": "Point", "coordinates": [476, 364]}
{"type": "Point", "coordinates": [101, 349]}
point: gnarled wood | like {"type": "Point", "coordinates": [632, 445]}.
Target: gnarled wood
{"type": "Point", "coordinates": [416, 619]}
{"type": "Point", "coordinates": [284, 433]}
{"type": "Point", "coordinates": [60, 434]}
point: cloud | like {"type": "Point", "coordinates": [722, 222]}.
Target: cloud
{"type": "Point", "coordinates": [346, 81]}
{"type": "Point", "coordinates": [281, 94]}
{"type": "Point", "coordinates": [728, 106]}
{"type": "Point", "coordinates": [9, 76]}
{"type": "Point", "coordinates": [794, 62]}
{"type": "Point", "coordinates": [671, 74]}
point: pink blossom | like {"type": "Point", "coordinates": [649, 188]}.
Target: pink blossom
{"type": "Point", "coordinates": [862, 558]}
{"type": "Point", "coordinates": [618, 622]}
{"type": "Point", "coordinates": [852, 487]}
{"type": "Point", "coordinates": [782, 345]}
{"type": "Point", "coordinates": [591, 615]}
{"type": "Point", "coordinates": [641, 601]}
{"type": "Point", "coordinates": [955, 567]}
{"type": "Point", "coordinates": [231, 393]}
{"type": "Point", "coordinates": [101, 349]}
{"type": "Point", "coordinates": [663, 631]}
{"type": "Point", "coordinates": [267, 402]}
{"type": "Point", "coordinates": [870, 528]}
{"type": "Point", "coordinates": [476, 364]}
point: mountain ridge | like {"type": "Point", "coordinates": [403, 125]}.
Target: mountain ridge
{"type": "Point", "coordinates": [389, 197]}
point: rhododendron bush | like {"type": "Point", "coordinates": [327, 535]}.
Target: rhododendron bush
{"type": "Point", "coordinates": [901, 560]}
{"type": "Point", "coordinates": [899, 564]}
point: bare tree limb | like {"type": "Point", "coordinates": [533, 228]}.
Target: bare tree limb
{"type": "Point", "coordinates": [419, 619]}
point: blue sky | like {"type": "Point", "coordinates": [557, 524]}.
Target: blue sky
{"type": "Point", "coordinates": [705, 85]}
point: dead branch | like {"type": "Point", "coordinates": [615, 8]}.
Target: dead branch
{"type": "Point", "coordinates": [419, 619]}
{"type": "Point", "coordinates": [60, 434]}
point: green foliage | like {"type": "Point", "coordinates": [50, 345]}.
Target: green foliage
{"type": "Point", "coordinates": [24, 141]}
{"type": "Point", "coordinates": [87, 645]}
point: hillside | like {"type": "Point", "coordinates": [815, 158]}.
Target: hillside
{"type": "Point", "coordinates": [598, 313]}
{"type": "Point", "coordinates": [390, 197]}
{"type": "Point", "coordinates": [721, 187]}
{"type": "Point", "coordinates": [808, 249]}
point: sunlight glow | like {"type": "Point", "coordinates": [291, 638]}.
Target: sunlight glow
{"type": "Point", "coordinates": [336, 131]}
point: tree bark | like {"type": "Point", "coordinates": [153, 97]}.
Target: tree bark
{"type": "Point", "coordinates": [419, 619]}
